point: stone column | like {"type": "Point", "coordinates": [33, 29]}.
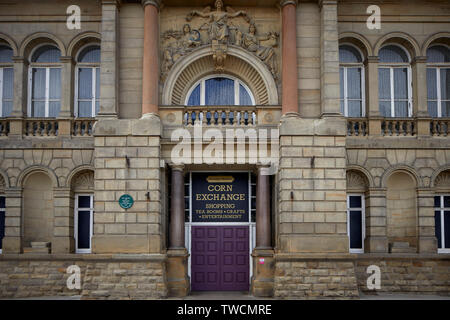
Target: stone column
{"type": "Point", "coordinates": [150, 69]}
{"type": "Point", "coordinates": [427, 237]}
{"type": "Point", "coordinates": [329, 59]}
{"type": "Point", "coordinates": [63, 236]}
{"type": "Point", "coordinates": [177, 255]}
{"type": "Point", "coordinates": [289, 57]}
{"type": "Point", "coordinates": [20, 96]}
{"type": "Point", "coordinates": [420, 103]}
{"type": "Point", "coordinates": [372, 104]}
{"type": "Point", "coordinates": [109, 64]}
{"type": "Point", "coordinates": [12, 242]}
{"type": "Point", "coordinates": [66, 113]}
{"type": "Point", "coordinates": [376, 222]}
{"type": "Point", "coordinates": [263, 255]}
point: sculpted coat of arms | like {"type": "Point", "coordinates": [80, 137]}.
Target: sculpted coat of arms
{"type": "Point", "coordinates": [219, 31]}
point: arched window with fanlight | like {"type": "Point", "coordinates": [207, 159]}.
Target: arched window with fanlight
{"type": "Point", "coordinates": [220, 90]}
{"type": "Point", "coordinates": [87, 91]}
{"type": "Point", "coordinates": [44, 99]}
{"type": "Point", "coordinates": [438, 81]}
{"type": "Point", "coordinates": [351, 72]}
{"type": "Point", "coordinates": [394, 82]}
{"type": "Point", "coordinates": [6, 81]}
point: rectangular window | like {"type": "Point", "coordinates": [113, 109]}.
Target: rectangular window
{"type": "Point", "coordinates": [45, 88]}
{"type": "Point", "coordinates": [84, 210]}
{"type": "Point", "coordinates": [2, 221]}
{"type": "Point", "coordinates": [352, 92]}
{"type": "Point", "coordinates": [88, 92]}
{"type": "Point", "coordinates": [438, 85]}
{"type": "Point", "coordinates": [395, 98]}
{"type": "Point", "coordinates": [356, 222]}
{"type": "Point", "coordinates": [442, 222]}
{"type": "Point", "coordinates": [6, 91]}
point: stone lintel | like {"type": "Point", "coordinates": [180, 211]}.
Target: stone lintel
{"type": "Point", "coordinates": [293, 126]}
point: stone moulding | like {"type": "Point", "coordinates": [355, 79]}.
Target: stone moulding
{"type": "Point", "coordinates": [174, 89]}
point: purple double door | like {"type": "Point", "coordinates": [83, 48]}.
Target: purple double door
{"type": "Point", "coordinates": [220, 258]}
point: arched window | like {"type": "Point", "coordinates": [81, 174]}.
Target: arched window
{"type": "Point", "coordinates": [351, 82]}
{"type": "Point", "coordinates": [87, 91]}
{"type": "Point", "coordinates": [220, 91]}
{"type": "Point", "coordinates": [45, 82]}
{"type": "Point", "coordinates": [6, 81]}
{"type": "Point", "coordinates": [394, 82]}
{"type": "Point", "coordinates": [438, 81]}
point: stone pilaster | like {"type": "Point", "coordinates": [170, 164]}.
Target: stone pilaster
{"type": "Point", "coordinates": [63, 224]}
{"type": "Point", "coordinates": [329, 56]}
{"type": "Point", "coordinates": [372, 103]}
{"type": "Point", "coordinates": [427, 236]}
{"type": "Point", "coordinates": [12, 242]}
{"type": "Point", "coordinates": [20, 87]}
{"type": "Point", "coordinates": [67, 71]}
{"type": "Point", "coordinates": [420, 96]}
{"type": "Point", "coordinates": [376, 221]}
{"type": "Point", "coordinates": [109, 64]}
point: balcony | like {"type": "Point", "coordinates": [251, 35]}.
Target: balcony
{"type": "Point", "coordinates": [47, 127]}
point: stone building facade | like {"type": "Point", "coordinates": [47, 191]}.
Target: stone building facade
{"type": "Point", "coordinates": [128, 105]}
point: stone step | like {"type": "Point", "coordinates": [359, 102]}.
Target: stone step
{"type": "Point", "coordinates": [400, 244]}
{"type": "Point", "coordinates": [37, 244]}
{"type": "Point", "coordinates": [36, 250]}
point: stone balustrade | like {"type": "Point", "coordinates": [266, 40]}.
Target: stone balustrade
{"type": "Point", "coordinates": [357, 127]}
{"type": "Point", "coordinates": [439, 127]}
{"type": "Point", "coordinates": [399, 127]}
{"type": "Point", "coordinates": [47, 127]}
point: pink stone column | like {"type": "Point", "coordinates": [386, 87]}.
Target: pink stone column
{"type": "Point", "coordinates": [150, 69]}
{"type": "Point", "coordinates": [289, 57]}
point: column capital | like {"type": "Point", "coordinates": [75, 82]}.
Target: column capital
{"type": "Point", "coordinates": [112, 2]}
{"type": "Point", "coordinates": [286, 2]}
{"type": "Point", "coordinates": [419, 59]}
{"type": "Point", "coordinates": [19, 59]}
{"type": "Point", "coordinates": [327, 2]}
{"type": "Point", "coordinates": [372, 59]}
{"type": "Point", "coordinates": [176, 167]}
{"type": "Point", "coordinates": [156, 3]}
{"type": "Point", "coordinates": [66, 59]}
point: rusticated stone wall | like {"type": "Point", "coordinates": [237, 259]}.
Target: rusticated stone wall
{"type": "Point", "coordinates": [102, 276]}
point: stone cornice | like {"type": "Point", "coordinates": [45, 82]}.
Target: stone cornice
{"type": "Point", "coordinates": [327, 2]}
{"type": "Point", "coordinates": [286, 2]}
{"type": "Point", "coordinates": [156, 3]}
{"type": "Point", "coordinates": [112, 2]}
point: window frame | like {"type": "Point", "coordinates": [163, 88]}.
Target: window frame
{"type": "Point", "coordinates": [352, 65]}
{"type": "Point", "coordinates": [47, 66]}
{"type": "Point", "coordinates": [438, 66]}
{"type": "Point", "coordinates": [86, 65]}
{"type": "Point", "coordinates": [363, 219]}
{"type": "Point", "coordinates": [442, 210]}
{"type": "Point", "coordinates": [4, 211]}
{"type": "Point", "coordinates": [5, 65]}
{"type": "Point", "coordinates": [91, 221]}
{"type": "Point", "coordinates": [202, 81]}
{"type": "Point", "coordinates": [397, 65]}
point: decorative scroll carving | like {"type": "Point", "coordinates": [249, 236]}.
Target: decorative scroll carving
{"type": "Point", "coordinates": [443, 180]}
{"type": "Point", "coordinates": [83, 181]}
{"type": "Point", "coordinates": [356, 181]}
{"type": "Point", "coordinates": [219, 32]}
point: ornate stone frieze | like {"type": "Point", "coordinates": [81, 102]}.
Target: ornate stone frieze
{"type": "Point", "coordinates": [219, 29]}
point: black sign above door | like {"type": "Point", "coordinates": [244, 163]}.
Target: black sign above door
{"type": "Point", "coordinates": [220, 197]}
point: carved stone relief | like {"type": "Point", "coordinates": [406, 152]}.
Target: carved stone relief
{"type": "Point", "coordinates": [83, 181]}
{"type": "Point", "coordinates": [443, 180]}
{"type": "Point", "coordinates": [219, 29]}
{"type": "Point", "coordinates": [356, 181]}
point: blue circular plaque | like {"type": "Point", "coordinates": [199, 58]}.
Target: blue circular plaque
{"type": "Point", "coordinates": [126, 201]}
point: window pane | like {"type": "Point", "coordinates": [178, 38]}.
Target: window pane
{"type": "Point", "coordinates": [432, 109]}
{"type": "Point", "coordinates": [431, 84]}
{"type": "Point", "coordinates": [446, 202]}
{"type": "Point", "coordinates": [84, 202]}
{"type": "Point", "coordinates": [447, 229]}
{"type": "Point", "coordinates": [354, 83]}
{"type": "Point", "coordinates": [400, 83]}
{"type": "Point", "coordinates": [8, 83]}
{"type": "Point", "coordinates": [401, 109]}
{"type": "Point", "coordinates": [54, 108]}
{"type": "Point", "coordinates": [244, 97]}
{"type": "Point", "coordinates": [437, 202]}
{"type": "Point", "coordinates": [85, 83]}
{"type": "Point", "coordinates": [385, 108]}
{"type": "Point", "coordinates": [84, 109]}
{"type": "Point", "coordinates": [437, 227]}
{"type": "Point", "coordinates": [90, 55]}
{"type": "Point", "coordinates": [384, 84]}
{"type": "Point", "coordinates": [445, 105]}
{"type": "Point", "coordinates": [349, 54]}
{"type": "Point", "coordinates": [194, 99]}
{"type": "Point", "coordinates": [84, 229]}
{"type": "Point", "coordinates": [6, 54]}
{"type": "Point", "coordinates": [341, 79]}
{"type": "Point", "coordinates": [355, 201]}
{"type": "Point", "coordinates": [97, 107]}
{"type": "Point", "coordinates": [445, 84]}
{"type": "Point", "coordinates": [354, 109]}
{"type": "Point", "coordinates": [355, 229]}
{"type": "Point", "coordinates": [393, 54]}
{"type": "Point", "coordinates": [55, 83]}
{"type": "Point", "coordinates": [2, 228]}
{"type": "Point", "coordinates": [38, 109]}
{"type": "Point", "coordinates": [219, 91]}
{"type": "Point", "coordinates": [97, 83]}
{"type": "Point", "coordinates": [2, 202]}
{"type": "Point", "coordinates": [342, 107]}
{"type": "Point", "coordinates": [46, 54]}
{"type": "Point", "coordinates": [39, 75]}
{"type": "Point", "coordinates": [438, 54]}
